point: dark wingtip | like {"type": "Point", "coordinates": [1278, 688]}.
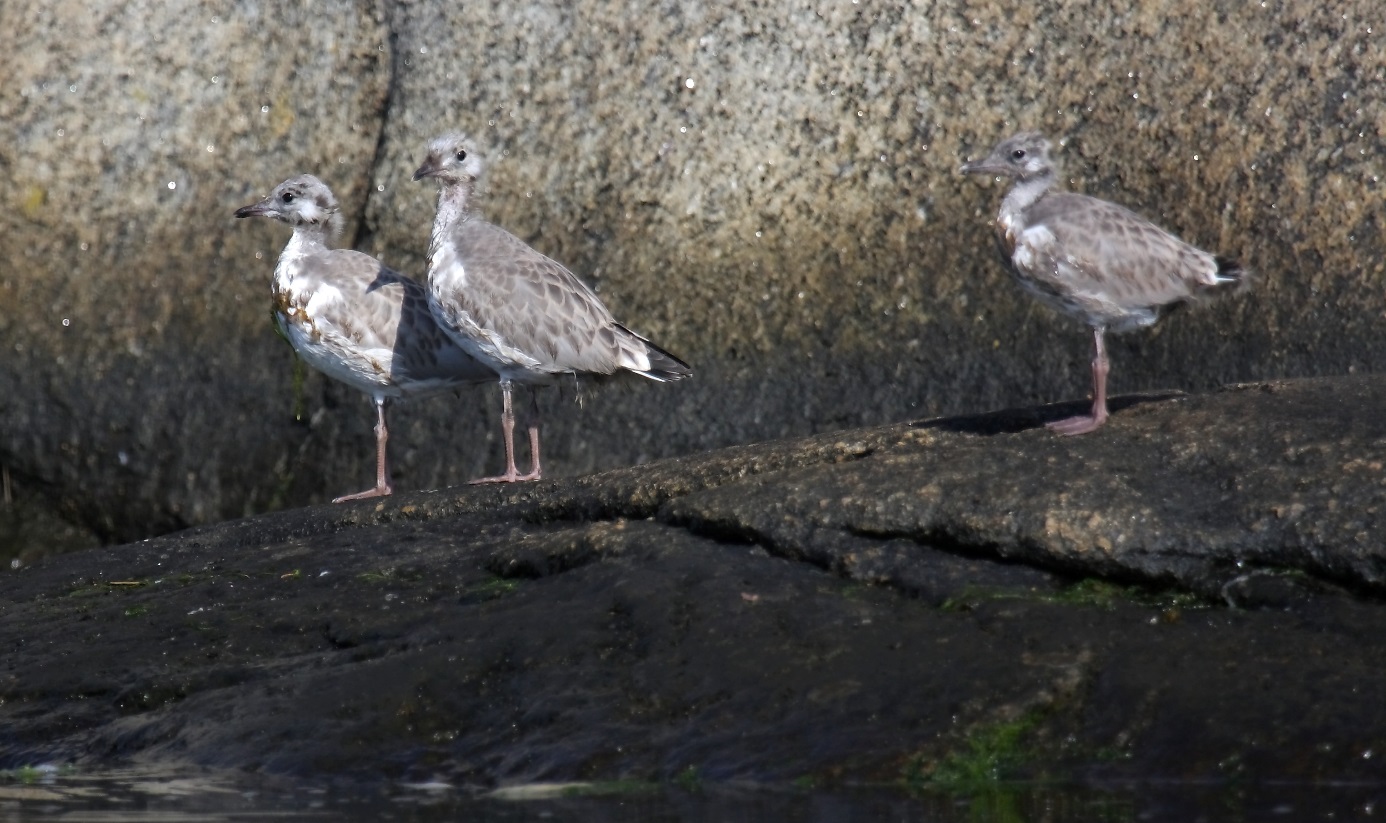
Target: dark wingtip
{"type": "Point", "coordinates": [664, 366]}
{"type": "Point", "coordinates": [1231, 271]}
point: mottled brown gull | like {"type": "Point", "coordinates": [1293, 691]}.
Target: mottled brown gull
{"type": "Point", "coordinates": [352, 318]}
{"type": "Point", "coordinates": [1089, 259]}
{"type": "Point", "coordinates": [524, 315]}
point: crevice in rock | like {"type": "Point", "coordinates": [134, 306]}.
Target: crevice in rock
{"type": "Point", "coordinates": [364, 232]}
{"type": "Point", "coordinates": [936, 567]}
{"type": "Point", "coordinates": [1032, 557]}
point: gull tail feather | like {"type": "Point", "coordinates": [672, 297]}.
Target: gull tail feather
{"type": "Point", "coordinates": [663, 366]}
{"type": "Point", "coordinates": [1231, 272]}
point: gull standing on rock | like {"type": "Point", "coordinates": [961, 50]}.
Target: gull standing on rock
{"type": "Point", "coordinates": [1090, 259]}
{"type": "Point", "coordinates": [353, 319]}
{"type": "Point", "coordinates": [522, 314]}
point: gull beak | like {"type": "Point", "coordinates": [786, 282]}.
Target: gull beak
{"type": "Point", "coordinates": [428, 169]}
{"type": "Point", "coordinates": [261, 209]}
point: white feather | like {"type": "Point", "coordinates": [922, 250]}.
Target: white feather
{"type": "Point", "coordinates": [323, 298]}
{"type": "Point", "coordinates": [1031, 243]}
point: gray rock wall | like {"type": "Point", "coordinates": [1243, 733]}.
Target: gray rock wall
{"type": "Point", "coordinates": [142, 386]}
{"type": "Point", "coordinates": [770, 192]}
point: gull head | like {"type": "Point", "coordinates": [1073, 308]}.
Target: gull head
{"type": "Point", "coordinates": [299, 201]}
{"type": "Point", "coordinates": [1020, 157]}
{"type": "Point", "coordinates": [452, 158]}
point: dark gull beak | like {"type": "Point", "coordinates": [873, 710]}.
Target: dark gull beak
{"type": "Point", "coordinates": [980, 167]}
{"type": "Point", "coordinates": [428, 169]}
{"type": "Point", "coordinates": [261, 209]}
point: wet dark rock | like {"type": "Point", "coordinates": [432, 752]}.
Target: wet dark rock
{"type": "Point", "coordinates": [1280, 479]}
{"type": "Point", "coordinates": [1192, 593]}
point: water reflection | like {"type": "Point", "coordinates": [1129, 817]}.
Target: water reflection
{"type": "Point", "coordinates": [196, 795]}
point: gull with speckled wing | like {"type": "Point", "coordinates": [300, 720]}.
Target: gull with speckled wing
{"type": "Point", "coordinates": [522, 314]}
{"type": "Point", "coordinates": [352, 318]}
{"type": "Point", "coordinates": [1090, 259]}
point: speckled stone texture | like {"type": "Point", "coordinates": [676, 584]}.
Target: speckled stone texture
{"type": "Point", "coordinates": [769, 191]}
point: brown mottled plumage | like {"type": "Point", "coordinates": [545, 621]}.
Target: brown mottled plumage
{"type": "Point", "coordinates": [521, 313]}
{"type": "Point", "coordinates": [352, 318]}
{"type": "Point", "coordinates": [1090, 259]}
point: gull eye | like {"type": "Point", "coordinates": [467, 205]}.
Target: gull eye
{"type": "Point", "coordinates": [461, 155]}
{"type": "Point", "coordinates": [287, 197]}
{"type": "Point", "coordinates": [1018, 154]}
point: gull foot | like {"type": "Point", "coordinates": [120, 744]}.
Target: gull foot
{"type": "Point", "coordinates": [378, 491]}
{"type": "Point", "coordinates": [1076, 425]}
{"type": "Point", "coordinates": [508, 477]}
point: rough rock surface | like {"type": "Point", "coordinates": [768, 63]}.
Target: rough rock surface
{"type": "Point", "coordinates": [858, 606]}
{"type": "Point", "coordinates": [770, 191]}
{"type": "Point", "coordinates": [142, 387]}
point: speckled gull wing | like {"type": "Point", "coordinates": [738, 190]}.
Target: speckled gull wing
{"type": "Point", "coordinates": [334, 289]}
{"type": "Point", "coordinates": [367, 312]}
{"type": "Point", "coordinates": [1093, 249]}
{"type": "Point", "coordinates": [423, 351]}
{"type": "Point", "coordinates": [538, 306]}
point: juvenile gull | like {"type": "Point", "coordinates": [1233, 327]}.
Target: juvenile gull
{"type": "Point", "coordinates": [1090, 259]}
{"type": "Point", "coordinates": [517, 311]}
{"type": "Point", "coordinates": [352, 318]}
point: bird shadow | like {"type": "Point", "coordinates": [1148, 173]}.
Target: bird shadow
{"type": "Point", "coordinates": [1013, 421]}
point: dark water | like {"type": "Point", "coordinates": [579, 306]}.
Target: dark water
{"type": "Point", "coordinates": [125, 797]}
